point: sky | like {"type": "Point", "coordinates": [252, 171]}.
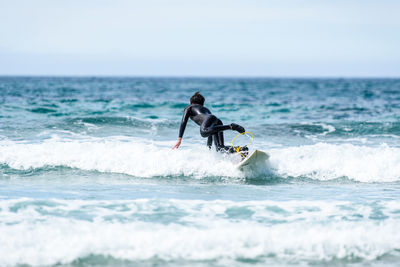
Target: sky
{"type": "Point", "coordinates": [260, 38]}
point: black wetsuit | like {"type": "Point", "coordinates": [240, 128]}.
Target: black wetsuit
{"type": "Point", "coordinates": [210, 126]}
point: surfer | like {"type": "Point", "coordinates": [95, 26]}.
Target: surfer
{"type": "Point", "coordinates": [210, 126]}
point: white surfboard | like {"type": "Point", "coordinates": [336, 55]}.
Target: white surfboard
{"type": "Point", "coordinates": [255, 159]}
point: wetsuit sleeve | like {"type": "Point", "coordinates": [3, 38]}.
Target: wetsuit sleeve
{"type": "Point", "coordinates": [185, 118]}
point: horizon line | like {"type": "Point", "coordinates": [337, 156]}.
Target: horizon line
{"type": "Point", "coordinates": [197, 76]}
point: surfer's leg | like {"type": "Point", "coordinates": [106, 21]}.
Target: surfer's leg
{"type": "Point", "coordinates": [210, 127]}
{"type": "Point", "coordinates": [219, 138]}
{"type": "Point", "coordinates": [221, 142]}
{"type": "Point", "coordinates": [205, 130]}
{"type": "Point", "coordinates": [205, 127]}
{"type": "Point", "coordinates": [216, 142]}
{"type": "Point", "coordinates": [209, 141]}
{"type": "Point", "coordinates": [213, 128]}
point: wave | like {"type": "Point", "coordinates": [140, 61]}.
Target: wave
{"type": "Point", "coordinates": [226, 232]}
{"type": "Point", "coordinates": [342, 130]}
{"type": "Point", "coordinates": [147, 123]}
{"type": "Point", "coordinates": [143, 158]}
{"type": "Point", "coordinates": [131, 156]}
{"type": "Point", "coordinates": [324, 161]}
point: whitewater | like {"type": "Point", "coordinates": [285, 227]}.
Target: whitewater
{"type": "Point", "coordinates": [88, 176]}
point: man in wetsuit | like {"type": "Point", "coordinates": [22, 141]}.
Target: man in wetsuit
{"type": "Point", "coordinates": [210, 126]}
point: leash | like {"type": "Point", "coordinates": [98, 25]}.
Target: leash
{"type": "Point", "coordinates": [237, 148]}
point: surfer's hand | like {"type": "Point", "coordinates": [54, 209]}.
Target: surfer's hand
{"type": "Point", "coordinates": [177, 143]}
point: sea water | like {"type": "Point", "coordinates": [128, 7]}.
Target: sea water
{"type": "Point", "coordinates": [88, 176]}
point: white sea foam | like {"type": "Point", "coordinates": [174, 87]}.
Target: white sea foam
{"type": "Point", "coordinates": [45, 233]}
{"type": "Point", "coordinates": [141, 158]}
{"type": "Point", "coordinates": [329, 161]}
{"type": "Point", "coordinates": [118, 154]}
{"type": "Point", "coordinates": [328, 128]}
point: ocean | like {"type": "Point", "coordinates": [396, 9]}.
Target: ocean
{"type": "Point", "coordinates": [88, 176]}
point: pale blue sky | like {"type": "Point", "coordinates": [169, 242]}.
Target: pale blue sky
{"type": "Point", "coordinates": [315, 38]}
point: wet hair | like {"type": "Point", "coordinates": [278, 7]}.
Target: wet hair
{"type": "Point", "coordinates": [197, 98]}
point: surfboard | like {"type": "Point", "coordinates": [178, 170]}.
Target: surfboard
{"type": "Point", "coordinates": [255, 159]}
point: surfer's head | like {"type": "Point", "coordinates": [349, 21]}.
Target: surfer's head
{"type": "Point", "coordinates": [197, 98]}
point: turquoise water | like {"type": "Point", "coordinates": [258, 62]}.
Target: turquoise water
{"type": "Point", "coordinates": [88, 177]}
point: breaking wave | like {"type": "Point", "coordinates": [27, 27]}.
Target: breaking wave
{"type": "Point", "coordinates": [141, 158]}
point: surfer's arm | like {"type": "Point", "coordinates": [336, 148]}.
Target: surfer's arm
{"type": "Point", "coordinates": [185, 118]}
